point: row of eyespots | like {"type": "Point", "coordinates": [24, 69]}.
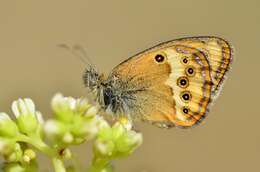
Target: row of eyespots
{"type": "Point", "coordinates": [183, 82]}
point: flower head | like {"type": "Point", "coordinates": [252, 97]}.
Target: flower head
{"type": "Point", "coordinates": [75, 120]}
{"type": "Point", "coordinates": [116, 141]}
{"type": "Point", "coordinates": [28, 119]}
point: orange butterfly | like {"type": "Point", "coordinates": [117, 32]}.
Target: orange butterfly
{"type": "Point", "coordinates": [170, 84]}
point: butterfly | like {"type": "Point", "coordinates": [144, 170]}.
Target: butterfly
{"type": "Point", "coordinates": [171, 84]}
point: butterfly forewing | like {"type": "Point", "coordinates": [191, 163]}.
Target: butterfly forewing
{"type": "Point", "coordinates": [173, 83]}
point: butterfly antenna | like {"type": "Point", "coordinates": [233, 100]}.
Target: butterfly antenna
{"type": "Point", "coordinates": [79, 52]}
{"type": "Point", "coordinates": [83, 53]}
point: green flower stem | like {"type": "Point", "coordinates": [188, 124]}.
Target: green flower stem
{"type": "Point", "coordinates": [38, 143]}
{"type": "Point", "coordinates": [58, 165]}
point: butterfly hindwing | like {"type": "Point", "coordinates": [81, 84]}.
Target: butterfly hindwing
{"type": "Point", "coordinates": [217, 51]}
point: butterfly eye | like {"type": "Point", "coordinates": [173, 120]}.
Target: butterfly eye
{"type": "Point", "coordinates": [159, 58]}
{"type": "Point", "coordinates": [190, 71]}
{"type": "Point", "coordinates": [183, 82]}
{"type": "Point", "coordinates": [185, 96]}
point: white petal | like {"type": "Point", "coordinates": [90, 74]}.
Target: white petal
{"type": "Point", "coordinates": [4, 116]}
{"type": "Point", "coordinates": [127, 123]}
{"type": "Point", "coordinates": [92, 111]}
{"type": "Point", "coordinates": [82, 102]}
{"type": "Point", "coordinates": [68, 137]}
{"type": "Point", "coordinates": [102, 147]}
{"type": "Point", "coordinates": [22, 107]}
{"type": "Point", "coordinates": [57, 99]}
{"type": "Point", "coordinates": [51, 127]}
{"type": "Point", "coordinates": [72, 102]}
{"type": "Point", "coordinates": [29, 105]}
{"type": "Point", "coordinates": [15, 109]}
{"type": "Point", "coordinates": [101, 123]}
{"type": "Point", "coordinates": [39, 117]}
{"type": "Point", "coordinates": [136, 138]}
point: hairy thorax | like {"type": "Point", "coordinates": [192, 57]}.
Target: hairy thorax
{"type": "Point", "coordinates": [112, 94]}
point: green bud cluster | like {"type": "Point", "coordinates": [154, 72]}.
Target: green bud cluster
{"type": "Point", "coordinates": [112, 143]}
{"type": "Point", "coordinates": [75, 121]}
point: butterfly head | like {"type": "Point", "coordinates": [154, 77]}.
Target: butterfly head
{"type": "Point", "coordinates": [92, 79]}
{"type": "Point", "coordinates": [97, 84]}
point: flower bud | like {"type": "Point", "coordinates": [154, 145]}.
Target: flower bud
{"type": "Point", "coordinates": [127, 123]}
{"type": "Point", "coordinates": [23, 107]}
{"type": "Point", "coordinates": [67, 138]}
{"type": "Point", "coordinates": [13, 167]}
{"type": "Point", "coordinates": [101, 123]}
{"type": "Point", "coordinates": [63, 107]}
{"type": "Point", "coordinates": [128, 142]}
{"type": "Point", "coordinates": [92, 111]}
{"type": "Point", "coordinates": [116, 141]}
{"type": "Point", "coordinates": [24, 110]}
{"type": "Point", "coordinates": [8, 128]}
{"type": "Point", "coordinates": [7, 146]}
{"type": "Point", "coordinates": [29, 155]}
{"type": "Point", "coordinates": [56, 130]}
{"type": "Point", "coordinates": [84, 128]}
{"type": "Point", "coordinates": [104, 148]}
{"type": "Point", "coordinates": [15, 155]}
{"type": "Point", "coordinates": [118, 130]}
{"type": "Point", "coordinates": [82, 106]}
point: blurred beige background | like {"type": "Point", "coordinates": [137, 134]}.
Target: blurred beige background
{"type": "Point", "coordinates": [32, 66]}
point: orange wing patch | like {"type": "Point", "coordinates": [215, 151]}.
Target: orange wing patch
{"type": "Point", "coordinates": [146, 77]}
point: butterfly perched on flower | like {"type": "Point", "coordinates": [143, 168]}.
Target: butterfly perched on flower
{"type": "Point", "coordinates": [170, 84]}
